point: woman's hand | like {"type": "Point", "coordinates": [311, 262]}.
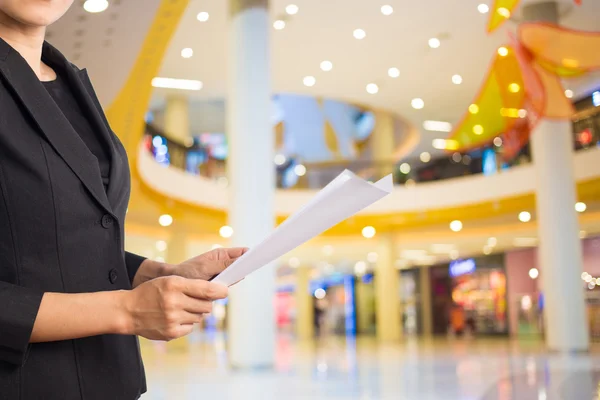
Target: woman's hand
{"type": "Point", "coordinates": [167, 308]}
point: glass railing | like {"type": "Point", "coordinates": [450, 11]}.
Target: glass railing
{"type": "Point", "coordinates": [196, 158]}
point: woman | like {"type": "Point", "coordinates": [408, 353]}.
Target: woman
{"type": "Point", "coordinates": [71, 299]}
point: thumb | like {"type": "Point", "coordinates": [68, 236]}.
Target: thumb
{"type": "Point", "coordinates": [226, 263]}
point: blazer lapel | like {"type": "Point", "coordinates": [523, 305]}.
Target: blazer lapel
{"type": "Point", "coordinates": [51, 122]}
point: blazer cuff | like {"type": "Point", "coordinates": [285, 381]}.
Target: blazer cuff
{"type": "Point", "coordinates": [20, 306]}
{"type": "Point", "coordinates": [133, 262]}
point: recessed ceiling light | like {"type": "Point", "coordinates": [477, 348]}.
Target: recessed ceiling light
{"type": "Point", "coordinates": [95, 6]}
{"type": "Point", "coordinates": [425, 157]}
{"type": "Point", "coordinates": [580, 207]}
{"type": "Point", "coordinates": [165, 220]}
{"type": "Point", "coordinates": [393, 72]}
{"type": "Point", "coordinates": [473, 108]}
{"type": "Point", "coordinates": [372, 88]}
{"type": "Point", "coordinates": [569, 93]}
{"type": "Point", "coordinates": [503, 51]}
{"type": "Point", "coordinates": [534, 273]}
{"type": "Point", "coordinates": [226, 231]}
{"type": "Point", "coordinates": [291, 9]}
{"type": "Point", "coordinates": [405, 168]}
{"type": "Point", "coordinates": [172, 83]}
{"type": "Point", "coordinates": [280, 159]}
{"type": "Point", "coordinates": [387, 9]}
{"type": "Point", "coordinates": [514, 88]}
{"type": "Point", "coordinates": [417, 103]}
{"type": "Point", "coordinates": [187, 52]}
{"type": "Point", "coordinates": [368, 232]}
{"type": "Point", "coordinates": [203, 16]}
{"type": "Point", "coordinates": [478, 129]}
{"type": "Point", "coordinates": [457, 79]}
{"type": "Point", "coordinates": [503, 11]}
{"type": "Point", "coordinates": [309, 81]}
{"type": "Point", "coordinates": [360, 34]}
{"type": "Point", "coordinates": [300, 170]}
{"type": "Point", "coordinates": [456, 226]}
{"type": "Point", "coordinates": [498, 141]}
{"type": "Point", "coordinates": [434, 43]}
{"type": "Point", "coordinates": [326, 65]}
{"type": "Point", "coordinates": [437, 126]}
{"type": "Point", "coordinates": [279, 24]}
{"type": "Point", "coordinates": [492, 241]}
{"type": "Point", "coordinates": [524, 216]}
{"type": "Point", "coordinates": [483, 8]}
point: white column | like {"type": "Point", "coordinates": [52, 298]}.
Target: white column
{"type": "Point", "coordinates": [387, 291]}
{"type": "Point", "coordinates": [560, 252]}
{"type": "Point", "coordinates": [251, 328]}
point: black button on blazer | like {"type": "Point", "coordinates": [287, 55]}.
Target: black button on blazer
{"type": "Point", "coordinates": [60, 231]}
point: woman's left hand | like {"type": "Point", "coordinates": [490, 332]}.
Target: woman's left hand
{"type": "Point", "coordinates": [208, 265]}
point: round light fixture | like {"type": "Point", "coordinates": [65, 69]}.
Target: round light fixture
{"type": "Point", "coordinates": [360, 34]}
{"type": "Point", "coordinates": [387, 10]}
{"type": "Point", "coordinates": [280, 159]}
{"type": "Point", "coordinates": [226, 231]}
{"type": "Point", "coordinates": [291, 9]}
{"type": "Point", "coordinates": [279, 24]}
{"type": "Point", "coordinates": [300, 170]}
{"type": "Point", "coordinates": [478, 129]}
{"type": "Point", "coordinates": [503, 11]}
{"type": "Point", "coordinates": [492, 241]}
{"type": "Point", "coordinates": [309, 81]}
{"type": "Point", "coordinates": [498, 141]}
{"type": "Point", "coordinates": [372, 88]}
{"type": "Point", "coordinates": [456, 226]}
{"type": "Point", "coordinates": [405, 168]}
{"type": "Point", "coordinates": [393, 72]}
{"type": "Point", "coordinates": [368, 232]}
{"type": "Point", "coordinates": [425, 157]}
{"type": "Point", "coordinates": [165, 220]}
{"type": "Point", "coordinates": [473, 108]}
{"type": "Point", "coordinates": [457, 79]}
{"type": "Point", "coordinates": [534, 273]}
{"type": "Point", "coordinates": [483, 8]}
{"type": "Point", "coordinates": [569, 93]}
{"type": "Point", "coordinates": [187, 52]}
{"type": "Point", "coordinates": [503, 51]}
{"type": "Point", "coordinates": [514, 88]}
{"type": "Point", "coordinates": [434, 43]}
{"type": "Point", "coordinates": [360, 268]}
{"type": "Point", "coordinates": [320, 293]}
{"type": "Point", "coordinates": [524, 216]}
{"type": "Point", "coordinates": [95, 6]}
{"type": "Point", "coordinates": [417, 103]}
{"type": "Point", "coordinates": [457, 157]}
{"type": "Point", "coordinates": [326, 66]}
{"type": "Point", "coordinates": [202, 16]}
{"type": "Point", "coordinates": [580, 207]}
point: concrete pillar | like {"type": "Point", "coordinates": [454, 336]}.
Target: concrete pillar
{"type": "Point", "coordinates": [387, 291]}
{"type": "Point", "coordinates": [251, 327]}
{"type": "Point", "coordinates": [305, 315]}
{"type": "Point", "coordinates": [560, 252]}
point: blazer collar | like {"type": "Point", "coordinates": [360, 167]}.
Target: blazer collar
{"type": "Point", "coordinates": [49, 118]}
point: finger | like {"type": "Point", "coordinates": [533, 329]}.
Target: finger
{"type": "Point", "coordinates": [204, 290]}
{"type": "Point", "coordinates": [236, 252]}
{"type": "Point", "coordinates": [214, 268]}
{"type": "Point", "coordinates": [180, 331]}
{"type": "Point", "coordinates": [190, 318]}
{"type": "Point", "coordinates": [195, 306]}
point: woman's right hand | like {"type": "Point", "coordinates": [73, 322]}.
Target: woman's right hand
{"type": "Point", "coordinates": [167, 308]}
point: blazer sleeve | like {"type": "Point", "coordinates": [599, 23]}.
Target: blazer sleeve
{"type": "Point", "coordinates": [20, 306]}
{"type": "Point", "coordinates": [133, 262]}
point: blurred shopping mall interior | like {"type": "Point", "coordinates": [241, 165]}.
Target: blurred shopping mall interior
{"type": "Point", "coordinates": [478, 277]}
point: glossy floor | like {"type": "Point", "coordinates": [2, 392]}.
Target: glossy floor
{"type": "Point", "coordinates": [361, 369]}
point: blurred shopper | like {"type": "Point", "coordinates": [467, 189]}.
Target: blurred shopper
{"type": "Point", "coordinates": [72, 300]}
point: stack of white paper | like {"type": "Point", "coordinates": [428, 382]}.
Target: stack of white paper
{"type": "Point", "coordinates": [342, 198]}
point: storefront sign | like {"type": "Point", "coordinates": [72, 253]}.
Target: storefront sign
{"type": "Point", "coordinates": [462, 267]}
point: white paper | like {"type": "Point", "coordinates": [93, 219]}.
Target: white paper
{"type": "Point", "coordinates": [343, 197]}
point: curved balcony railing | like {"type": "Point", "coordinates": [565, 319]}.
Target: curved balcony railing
{"type": "Point", "coordinates": [198, 159]}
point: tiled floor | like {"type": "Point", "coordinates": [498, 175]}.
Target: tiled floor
{"type": "Point", "coordinates": [360, 369]}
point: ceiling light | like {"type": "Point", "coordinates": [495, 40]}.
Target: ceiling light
{"type": "Point", "coordinates": [524, 216]}
{"type": "Point", "coordinates": [294, 262]}
{"type": "Point", "coordinates": [372, 257]}
{"type": "Point", "coordinates": [534, 273]}
{"type": "Point", "coordinates": [187, 52]}
{"type": "Point", "coordinates": [492, 241]}
{"type": "Point", "coordinates": [280, 159]}
{"type": "Point", "coordinates": [393, 72]}
{"type": "Point", "coordinates": [368, 232]}
{"type": "Point", "coordinates": [437, 126]}
{"type": "Point", "coordinates": [165, 220]}
{"type": "Point", "coordinates": [300, 170]}
{"type": "Point", "coordinates": [360, 268]}
{"type": "Point", "coordinates": [405, 168]}
{"type": "Point", "coordinates": [359, 34]}
{"type": "Point", "coordinates": [226, 231]}
{"type": "Point", "coordinates": [279, 24]}
{"type": "Point", "coordinates": [309, 81]}
{"type": "Point", "coordinates": [95, 6]}
{"type": "Point", "coordinates": [372, 88]}
{"type": "Point", "coordinates": [483, 8]}
{"type": "Point", "coordinates": [588, 278]}
{"type": "Point", "coordinates": [457, 79]}
{"type": "Point", "coordinates": [326, 66]}
{"type": "Point", "coordinates": [580, 207]}
{"type": "Point", "coordinates": [478, 129]}
{"type": "Point", "coordinates": [387, 9]}
{"type": "Point", "coordinates": [503, 51]}
{"type": "Point", "coordinates": [473, 108]}
{"type": "Point", "coordinates": [320, 293]}
{"type": "Point", "coordinates": [202, 16]}
{"type": "Point", "coordinates": [444, 144]}
{"type": "Point", "coordinates": [291, 9]}
{"type": "Point", "coordinates": [425, 157]}
{"type": "Point", "coordinates": [161, 245]}
{"type": "Point", "coordinates": [498, 141]}
{"type": "Point", "coordinates": [456, 226]}
{"type": "Point", "coordinates": [434, 43]}
{"type": "Point", "coordinates": [569, 93]}
{"type": "Point", "coordinates": [417, 103]}
{"type": "Point", "coordinates": [583, 275]}
{"type": "Point", "coordinates": [514, 88]}
{"type": "Point", "coordinates": [172, 83]}
{"type": "Point", "coordinates": [503, 11]}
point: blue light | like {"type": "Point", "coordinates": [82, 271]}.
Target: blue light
{"type": "Point", "coordinates": [462, 267]}
{"type": "Point", "coordinates": [157, 141]}
{"type": "Point", "coordinates": [596, 98]}
{"type": "Point", "coordinates": [161, 150]}
{"type": "Point", "coordinates": [349, 305]}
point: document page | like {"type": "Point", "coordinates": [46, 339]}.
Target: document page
{"type": "Point", "coordinates": [345, 196]}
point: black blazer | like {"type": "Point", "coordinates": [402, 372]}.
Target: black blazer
{"type": "Point", "coordinates": [60, 231]}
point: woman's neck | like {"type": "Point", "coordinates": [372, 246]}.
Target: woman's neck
{"type": "Point", "coordinates": [25, 39]}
